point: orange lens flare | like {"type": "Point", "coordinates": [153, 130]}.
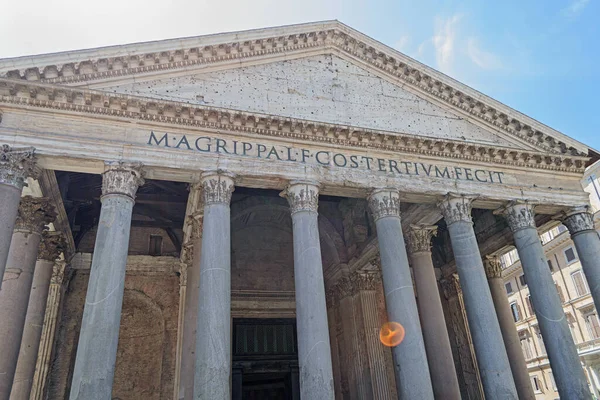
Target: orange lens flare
{"type": "Point", "coordinates": [391, 334]}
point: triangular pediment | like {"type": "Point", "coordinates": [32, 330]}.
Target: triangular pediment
{"type": "Point", "coordinates": [324, 72]}
{"type": "Point", "coordinates": [323, 88]}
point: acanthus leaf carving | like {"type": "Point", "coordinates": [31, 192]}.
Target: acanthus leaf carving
{"type": "Point", "coordinates": [519, 215]}
{"type": "Point", "coordinates": [578, 219]}
{"type": "Point", "coordinates": [16, 165]}
{"type": "Point", "coordinates": [493, 267]}
{"type": "Point", "coordinates": [34, 214]}
{"type": "Point", "coordinates": [302, 196]}
{"type": "Point", "coordinates": [456, 208]}
{"type": "Point", "coordinates": [217, 188]}
{"type": "Point", "coordinates": [384, 203]}
{"type": "Point", "coordinates": [419, 238]}
{"type": "Point", "coordinates": [122, 178]}
{"type": "Point", "coordinates": [52, 244]}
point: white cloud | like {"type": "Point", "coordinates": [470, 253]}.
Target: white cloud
{"type": "Point", "coordinates": [444, 40]}
{"type": "Point", "coordinates": [483, 59]}
{"type": "Point", "coordinates": [575, 8]}
{"type": "Point", "coordinates": [402, 43]}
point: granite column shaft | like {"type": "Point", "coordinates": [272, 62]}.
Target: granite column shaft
{"type": "Point", "coordinates": [314, 350]}
{"type": "Point", "coordinates": [492, 360]}
{"type": "Point", "coordinates": [562, 353]}
{"type": "Point", "coordinates": [518, 366]}
{"type": "Point", "coordinates": [435, 333]}
{"type": "Point", "coordinates": [410, 359]}
{"type": "Point", "coordinates": [213, 332]}
{"type": "Point", "coordinates": [33, 215]}
{"type": "Point", "coordinates": [99, 336]}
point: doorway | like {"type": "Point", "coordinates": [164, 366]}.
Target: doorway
{"type": "Point", "coordinates": [265, 359]}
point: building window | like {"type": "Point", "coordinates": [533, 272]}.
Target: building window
{"type": "Point", "coordinates": [516, 312]}
{"type": "Point", "coordinates": [540, 340]}
{"type": "Point", "coordinates": [570, 255]}
{"type": "Point", "coordinates": [525, 346]}
{"type": "Point", "coordinates": [591, 320]}
{"type": "Point", "coordinates": [579, 282]}
{"type": "Point", "coordinates": [155, 245]}
{"type": "Point", "coordinates": [550, 265]}
{"type": "Point", "coordinates": [509, 289]}
{"type": "Point", "coordinates": [522, 280]}
{"type": "Point", "coordinates": [535, 383]}
{"type": "Point", "coordinates": [530, 306]}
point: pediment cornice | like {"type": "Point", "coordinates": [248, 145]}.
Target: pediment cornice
{"type": "Point", "coordinates": [26, 95]}
{"type": "Point", "coordinates": [122, 61]}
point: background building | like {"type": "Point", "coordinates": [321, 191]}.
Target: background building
{"type": "Point", "coordinates": [574, 293]}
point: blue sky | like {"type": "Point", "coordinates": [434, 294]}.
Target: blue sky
{"type": "Point", "coordinates": [539, 57]}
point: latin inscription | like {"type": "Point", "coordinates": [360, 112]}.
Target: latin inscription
{"type": "Point", "coordinates": [208, 144]}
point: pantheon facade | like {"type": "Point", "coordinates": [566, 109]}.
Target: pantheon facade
{"type": "Point", "coordinates": [237, 216]}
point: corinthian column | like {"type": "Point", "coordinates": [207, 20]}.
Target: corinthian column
{"type": "Point", "coordinates": [213, 338]}
{"type": "Point", "coordinates": [580, 223]}
{"type": "Point", "coordinates": [410, 359]}
{"type": "Point", "coordinates": [492, 360]}
{"type": "Point", "coordinates": [562, 353]}
{"type": "Point", "coordinates": [518, 366]}
{"type": "Point", "coordinates": [97, 348]}
{"type": "Point", "coordinates": [314, 350]}
{"type": "Point", "coordinates": [33, 216]}
{"type": "Point", "coordinates": [435, 333]}
{"type": "Point", "coordinates": [15, 166]}
{"type": "Point", "coordinates": [53, 243]}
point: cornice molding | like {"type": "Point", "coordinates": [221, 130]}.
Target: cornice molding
{"type": "Point", "coordinates": [95, 102]}
{"type": "Point", "coordinates": [382, 58]}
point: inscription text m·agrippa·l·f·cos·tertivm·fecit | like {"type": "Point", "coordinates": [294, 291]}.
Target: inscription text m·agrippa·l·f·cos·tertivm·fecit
{"type": "Point", "coordinates": [208, 144]}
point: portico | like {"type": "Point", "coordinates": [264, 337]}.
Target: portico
{"type": "Point", "coordinates": [291, 211]}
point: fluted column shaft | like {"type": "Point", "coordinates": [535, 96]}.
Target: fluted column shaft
{"type": "Point", "coordinates": [492, 359]}
{"type": "Point", "coordinates": [190, 313]}
{"type": "Point", "coordinates": [562, 353]}
{"type": "Point", "coordinates": [410, 359]}
{"type": "Point", "coordinates": [314, 350]}
{"type": "Point", "coordinates": [99, 336]}
{"type": "Point", "coordinates": [580, 223]}
{"type": "Point", "coordinates": [518, 366]}
{"type": "Point", "coordinates": [213, 338]}
{"type": "Point", "coordinates": [15, 166]}
{"type": "Point", "coordinates": [33, 215]}
{"type": "Point", "coordinates": [50, 248]}
{"type": "Point", "coordinates": [435, 333]}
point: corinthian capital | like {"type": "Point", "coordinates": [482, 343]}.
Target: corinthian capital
{"type": "Point", "coordinates": [16, 164]}
{"type": "Point", "coordinates": [419, 238]}
{"type": "Point", "coordinates": [52, 244]}
{"type": "Point", "coordinates": [122, 178]}
{"type": "Point", "coordinates": [302, 196]}
{"type": "Point", "coordinates": [34, 214]}
{"type": "Point", "coordinates": [493, 267]}
{"type": "Point", "coordinates": [578, 219]}
{"type": "Point", "coordinates": [519, 215]}
{"type": "Point", "coordinates": [217, 187]}
{"type": "Point", "coordinates": [384, 203]}
{"type": "Point", "coordinates": [456, 208]}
